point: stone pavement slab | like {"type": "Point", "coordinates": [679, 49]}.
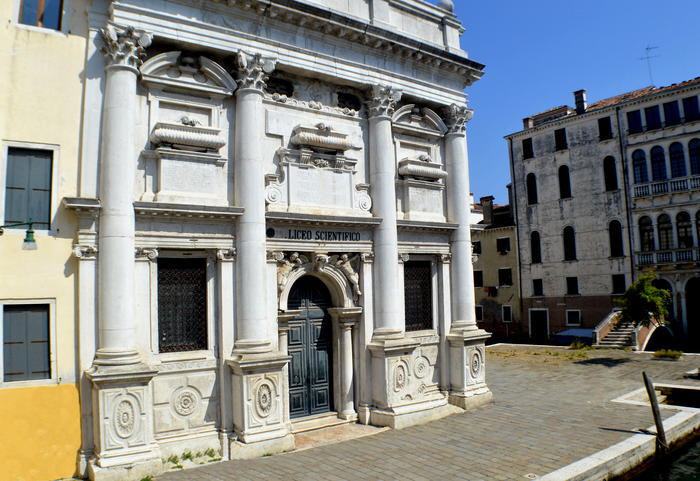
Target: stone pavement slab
{"type": "Point", "coordinates": [552, 407]}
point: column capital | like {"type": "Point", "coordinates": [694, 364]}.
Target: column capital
{"type": "Point", "coordinates": [404, 257]}
{"type": "Point", "coordinates": [456, 118]}
{"type": "Point", "coordinates": [226, 255]}
{"type": "Point", "coordinates": [253, 70]}
{"type": "Point", "coordinates": [85, 252]}
{"type": "Point", "coordinates": [383, 100]}
{"type": "Point", "coordinates": [445, 258]}
{"type": "Point", "coordinates": [367, 257]}
{"type": "Point", "coordinates": [146, 253]}
{"type": "Point", "coordinates": [125, 46]}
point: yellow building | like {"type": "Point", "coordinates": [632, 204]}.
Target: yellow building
{"type": "Point", "coordinates": [496, 272]}
{"type": "Point", "coordinates": [42, 56]}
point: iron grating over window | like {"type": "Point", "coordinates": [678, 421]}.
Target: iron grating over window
{"type": "Point", "coordinates": [418, 295]}
{"type": "Point", "coordinates": [182, 305]}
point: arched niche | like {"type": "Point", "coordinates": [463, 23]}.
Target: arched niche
{"type": "Point", "coordinates": [343, 293]}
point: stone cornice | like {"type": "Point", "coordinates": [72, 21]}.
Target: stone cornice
{"type": "Point", "coordinates": [322, 220]}
{"type": "Point", "coordinates": [334, 23]}
{"type": "Point", "coordinates": [413, 225]}
{"type": "Point", "coordinates": [154, 209]}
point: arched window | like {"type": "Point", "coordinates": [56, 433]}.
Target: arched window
{"type": "Point", "coordinates": [658, 164]}
{"type": "Point", "coordinates": [684, 229]}
{"type": "Point", "coordinates": [569, 244]}
{"type": "Point", "coordinates": [665, 229]}
{"type": "Point", "coordinates": [677, 160]}
{"type": "Point", "coordinates": [694, 154]}
{"type": "Point", "coordinates": [610, 172]}
{"type": "Point", "coordinates": [531, 189]}
{"type": "Point", "coordinates": [564, 183]}
{"type": "Point", "coordinates": [646, 234]}
{"type": "Point", "coordinates": [639, 162]}
{"type": "Point", "coordinates": [535, 248]}
{"type": "Point", "coordinates": [615, 234]}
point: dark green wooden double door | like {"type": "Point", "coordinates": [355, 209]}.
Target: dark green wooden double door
{"type": "Point", "coordinates": [310, 346]}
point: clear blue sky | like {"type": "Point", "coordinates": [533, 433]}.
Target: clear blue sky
{"type": "Point", "coordinates": [538, 52]}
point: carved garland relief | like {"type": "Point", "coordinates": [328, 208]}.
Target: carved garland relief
{"type": "Point", "coordinates": [348, 265]}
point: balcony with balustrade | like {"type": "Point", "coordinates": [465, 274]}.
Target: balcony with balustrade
{"type": "Point", "coordinates": [683, 184]}
{"type": "Point", "coordinates": [679, 257]}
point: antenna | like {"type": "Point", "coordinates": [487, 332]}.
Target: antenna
{"type": "Point", "coordinates": [648, 58]}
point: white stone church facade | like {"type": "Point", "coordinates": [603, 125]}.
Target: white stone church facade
{"type": "Point", "coordinates": [274, 225]}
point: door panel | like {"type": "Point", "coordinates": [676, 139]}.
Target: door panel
{"type": "Point", "coordinates": [310, 346]}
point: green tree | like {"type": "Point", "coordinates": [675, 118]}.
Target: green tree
{"type": "Point", "coordinates": [643, 303]}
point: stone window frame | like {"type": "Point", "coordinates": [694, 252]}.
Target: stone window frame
{"type": "Point", "coordinates": [510, 245]}
{"type": "Point", "coordinates": [54, 202]}
{"type": "Point", "coordinates": [53, 345]}
{"type": "Point", "coordinates": [505, 268]}
{"type": "Point", "coordinates": [529, 318]}
{"type": "Point", "coordinates": [212, 302]}
{"type": "Point", "coordinates": [566, 317]}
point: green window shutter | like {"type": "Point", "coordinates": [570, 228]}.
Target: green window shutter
{"type": "Point", "coordinates": [26, 342]}
{"type": "Point", "coordinates": [28, 187]}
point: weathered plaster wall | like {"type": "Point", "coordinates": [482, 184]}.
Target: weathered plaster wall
{"type": "Point", "coordinates": [40, 95]}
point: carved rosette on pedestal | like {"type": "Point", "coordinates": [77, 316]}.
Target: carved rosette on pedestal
{"type": "Point", "coordinates": [468, 387]}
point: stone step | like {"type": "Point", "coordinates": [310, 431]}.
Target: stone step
{"type": "Point", "coordinates": [319, 421]}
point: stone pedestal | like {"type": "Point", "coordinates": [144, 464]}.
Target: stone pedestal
{"type": "Point", "coordinates": [468, 387]}
{"type": "Point", "coordinates": [260, 420]}
{"type": "Point", "coordinates": [397, 391]}
{"type": "Point", "coordinates": [125, 447]}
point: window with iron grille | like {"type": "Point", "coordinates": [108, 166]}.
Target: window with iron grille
{"type": "Point", "coordinates": [418, 295]}
{"type": "Point", "coordinates": [182, 304]}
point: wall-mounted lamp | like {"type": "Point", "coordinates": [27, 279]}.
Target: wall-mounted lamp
{"type": "Point", "coordinates": [29, 243]}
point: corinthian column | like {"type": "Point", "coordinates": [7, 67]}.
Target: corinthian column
{"type": "Point", "coordinates": [382, 159]}
{"type": "Point", "coordinates": [252, 334]}
{"type": "Point", "coordinates": [123, 49]}
{"type": "Point", "coordinates": [458, 210]}
{"type": "Point", "coordinates": [467, 369]}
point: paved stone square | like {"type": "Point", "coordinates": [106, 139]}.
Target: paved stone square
{"type": "Point", "coordinates": [552, 407]}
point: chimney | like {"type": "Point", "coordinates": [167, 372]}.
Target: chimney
{"type": "Point", "coordinates": [487, 209]}
{"type": "Point", "coordinates": [528, 123]}
{"type": "Point", "coordinates": [581, 100]}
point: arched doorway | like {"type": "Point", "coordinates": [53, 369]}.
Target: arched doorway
{"type": "Point", "coordinates": [310, 347]}
{"type": "Point", "coordinates": [665, 285]}
{"type": "Point", "coordinates": [692, 301]}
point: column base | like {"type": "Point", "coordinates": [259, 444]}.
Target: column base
{"type": "Point", "coordinates": [403, 391]}
{"type": "Point", "coordinates": [125, 448]}
{"type": "Point", "coordinates": [239, 450]}
{"type": "Point", "coordinates": [363, 414]}
{"type": "Point", "coordinates": [259, 393]}
{"type": "Point", "coordinates": [468, 388]}
{"type": "Point", "coordinates": [412, 415]}
{"type": "Point", "coordinates": [128, 472]}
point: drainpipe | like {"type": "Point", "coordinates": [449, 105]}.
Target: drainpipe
{"type": "Point", "coordinates": [517, 226]}
{"type": "Point", "coordinates": [628, 193]}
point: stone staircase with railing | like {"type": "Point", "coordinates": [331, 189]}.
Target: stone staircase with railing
{"type": "Point", "coordinates": [622, 335]}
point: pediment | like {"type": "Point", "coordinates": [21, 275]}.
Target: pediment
{"type": "Point", "coordinates": [181, 72]}
{"type": "Point", "coordinates": [419, 121]}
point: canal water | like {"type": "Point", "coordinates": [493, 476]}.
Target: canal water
{"type": "Point", "coordinates": [684, 467]}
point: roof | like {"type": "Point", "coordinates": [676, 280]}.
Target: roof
{"type": "Point", "coordinates": [640, 93]}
